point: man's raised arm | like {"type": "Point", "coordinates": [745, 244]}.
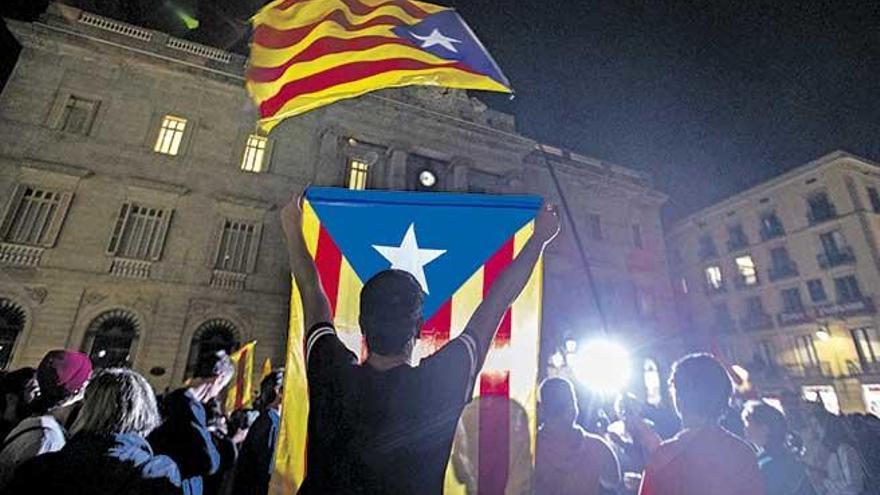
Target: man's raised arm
{"type": "Point", "coordinates": [316, 308]}
{"type": "Point", "coordinates": [485, 320]}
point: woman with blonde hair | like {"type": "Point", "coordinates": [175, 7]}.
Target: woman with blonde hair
{"type": "Point", "coordinates": [108, 452]}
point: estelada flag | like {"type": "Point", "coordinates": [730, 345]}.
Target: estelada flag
{"type": "Point", "coordinates": [308, 53]}
{"type": "Point", "coordinates": [267, 369]}
{"type": "Point", "coordinates": [241, 393]}
{"type": "Point", "coordinates": [455, 245]}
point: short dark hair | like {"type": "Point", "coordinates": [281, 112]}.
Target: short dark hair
{"type": "Point", "coordinates": [391, 311]}
{"type": "Point", "coordinates": [557, 397]}
{"type": "Point", "coordinates": [702, 385]}
{"type": "Point", "coordinates": [269, 388]}
{"type": "Point", "coordinates": [213, 365]}
{"type": "Point", "coordinates": [759, 412]}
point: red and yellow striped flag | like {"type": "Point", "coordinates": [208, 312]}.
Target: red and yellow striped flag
{"type": "Point", "coordinates": [241, 393]}
{"type": "Point", "coordinates": [309, 53]}
{"type": "Point", "coordinates": [499, 431]}
{"type": "Point", "coordinates": [267, 369]}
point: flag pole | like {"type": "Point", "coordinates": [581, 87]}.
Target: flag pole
{"type": "Point", "coordinates": [588, 271]}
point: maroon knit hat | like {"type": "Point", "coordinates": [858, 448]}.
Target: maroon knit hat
{"type": "Point", "coordinates": [62, 373]}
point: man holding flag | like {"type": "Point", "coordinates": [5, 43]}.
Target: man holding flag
{"type": "Point", "coordinates": [385, 426]}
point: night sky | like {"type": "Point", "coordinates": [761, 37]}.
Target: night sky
{"type": "Point", "coordinates": [709, 97]}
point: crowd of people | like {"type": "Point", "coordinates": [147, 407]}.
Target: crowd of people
{"type": "Point", "coordinates": [386, 426]}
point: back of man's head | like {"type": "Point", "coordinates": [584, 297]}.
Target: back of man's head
{"type": "Point", "coordinates": [391, 311]}
{"type": "Point", "coordinates": [558, 400]}
{"type": "Point", "coordinates": [702, 386]}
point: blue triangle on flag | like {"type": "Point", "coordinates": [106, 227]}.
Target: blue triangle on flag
{"type": "Point", "coordinates": [467, 228]}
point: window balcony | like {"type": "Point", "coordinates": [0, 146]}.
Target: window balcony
{"type": "Point", "coordinates": [794, 317]}
{"type": "Point", "coordinates": [842, 309]}
{"type": "Point", "coordinates": [818, 370]}
{"type": "Point", "coordinates": [228, 280]}
{"type": "Point", "coordinates": [741, 283]}
{"type": "Point", "coordinates": [783, 271]}
{"type": "Point", "coordinates": [771, 233]}
{"type": "Point", "coordinates": [842, 256]}
{"type": "Point", "coordinates": [124, 267]}
{"type": "Point", "coordinates": [756, 322]}
{"type": "Point", "coordinates": [20, 255]}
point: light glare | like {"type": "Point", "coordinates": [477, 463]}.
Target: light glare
{"type": "Point", "coordinates": [602, 365]}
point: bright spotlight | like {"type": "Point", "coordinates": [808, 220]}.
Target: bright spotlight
{"type": "Point", "coordinates": [602, 366]}
{"type": "Point", "coordinates": [571, 346]}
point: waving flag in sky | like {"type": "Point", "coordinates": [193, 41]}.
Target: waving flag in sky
{"type": "Point", "coordinates": [308, 53]}
{"type": "Point", "coordinates": [455, 245]}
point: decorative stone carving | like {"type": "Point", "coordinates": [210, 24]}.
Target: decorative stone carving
{"type": "Point", "coordinates": [37, 294]}
{"type": "Point", "coordinates": [92, 298]}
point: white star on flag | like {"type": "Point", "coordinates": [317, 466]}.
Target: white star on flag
{"type": "Point", "coordinates": [437, 38]}
{"type": "Point", "coordinates": [409, 257]}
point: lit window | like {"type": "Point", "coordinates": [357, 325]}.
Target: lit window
{"type": "Point", "coordinates": [867, 347]}
{"type": "Point", "coordinates": [254, 154]}
{"type": "Point", "coordinates": [170, 135]}
{"type": "Point", "coordinates": [713, 277]}
{"type": "Point", "coordinates": [357, 174]}
{"type": "Point", "coordinates": [78, 115]}
{"type": "Point", "coordinates": [745, 267]}
{"type": "Point", "coordinates": [139, 232]}
{"type": "Point", "coordinates": [238, 247]}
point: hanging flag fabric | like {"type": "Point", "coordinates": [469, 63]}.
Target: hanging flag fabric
{"type": "Point", "coordinates": [267, 369]}
{"type": "Point", "coordinates": [309, 53]}
{"type": "Point", "coordinates": [462, 244]}
{"type": "Point", "coordinates": [241, 393]}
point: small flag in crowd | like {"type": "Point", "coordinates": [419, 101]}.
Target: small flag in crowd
{"type": "Point", "coordinates": [309, 53]}
{"type": "Point", "coordinates": [267, 369]}
{"type": "Point", "coordinates": [241, 393]}
{"type": "Point", "coordinates": [463, 242]}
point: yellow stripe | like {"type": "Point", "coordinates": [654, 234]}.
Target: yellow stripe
{"type": "Point", "coordinates": [525, 339]}
{"type": "Point", "coordinates": [272, 57]}
{"type": "Point", "coordinates": [447, 77]}
{"type": "Point", "coordinates": [311, 228]}
{"type": "Point", "coordinates": [262, 91]}
{"type": "Point", "coordinates": [306, 13]}
{"type": "Point", "coordinates": [465, 302]}
{"type": "Point", "coordinates": [348, 305]}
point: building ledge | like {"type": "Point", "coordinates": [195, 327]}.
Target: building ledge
{"type": "Point", "coordinates": [124, 267]}
{"type": "Point", "coordinates": [20, 255]}
{"type": "Point", "coordinates": [228, 280]}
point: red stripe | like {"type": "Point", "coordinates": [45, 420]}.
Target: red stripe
{"type": "Point", "coordinates": [494, 431]}
{"type": "Point", "coordinates": [320, 48]}
{"type": "Point", "coordinates": [359, 8]}
{"type": "Point", "coordinates": [240, 379]}
{"type": "Point", "coordinates": [345, 74]}
{"type": "Point", "coordinates": [269, 37]}
{"type": "Point", "coordinates": [492, 269]}
{"type": "Point", "coordinates": [436, 330]}
{"type": "Point", "coordinates": [328, 258]}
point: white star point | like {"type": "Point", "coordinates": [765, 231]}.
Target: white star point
{"type": "Point", "coordinates": [437, 38]}
{"type": "Point", "coordinates": [409, 257]}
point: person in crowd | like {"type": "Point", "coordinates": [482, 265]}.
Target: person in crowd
{"type": "Point", "coordinates": [570, 460]}
{"type": "Point", "coordinates": [386, 426]}
{"type": "Point", "coordinates": [240, 423]}
{"type": "Point", "coordinates": [844, 471]}
{"type": "Point", "coordinates": [108, 453]}
{"type": "Point", "coordinates": [18, 390]}
{"type": "Point", "coordinates": [632, 433]}
{"type": "Point", "coordinates": [257, 459]}
{"type": "Point", "coordinates": [183, 435]}
{"type": "Point", "coordinates": [62, 376]}
{"type": "Point", "coordinates": [703, 459]}
{"type": "Point", "coordinates": [766, 427]}
{"type": "Point", "coordinates": [219, 482]}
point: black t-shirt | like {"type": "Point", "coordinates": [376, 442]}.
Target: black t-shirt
{"type": "Point", "coordinates": [383, 432]}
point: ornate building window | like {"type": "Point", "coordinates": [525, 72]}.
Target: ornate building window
{"type": "Point", "coordinates": [211, 336]}
{"type": "Point", "coordinates": [12, 319]}
{"type": "Point", "coordinates": [35, 216]}
{"type": "Point", "coordinates": [254, 158]}
{"type": "Point", "coordinates": [357, 173]}
{"type": "Point", "coordinates": [110, 339]}
{"type": "Point", "coordinates": [170, 135]}
{"type": "Point", "coordinates": [139, 232]}
{"type": "Point", "coordinates": [237, 251]}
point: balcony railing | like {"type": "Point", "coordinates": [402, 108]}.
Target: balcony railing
{"type": "Point", "coordinates": [783, 271]}
{"type": "Point", "coordinates": [17, 254]}
{"type": "Point", "coordinates": [756, 322]}
{"type": "Point", "coordinates": [819, 370]}
{"type": "Point", "coordinates": [228, 280]}
{"type": "Point", "coordinates": [862, 306]}
{"type": "Point", "coordinates": [794, 317]}
{"type": "Point", "coordinates": [856, 368]}
{"type": "Point", "coordinates": [740, 282]}
{"type": "Point", "coordinates": [123, 267]}
{"type": "Point", "coordinates": [842, 256]}
{"type": "Point", "coordinates": [771, 233]}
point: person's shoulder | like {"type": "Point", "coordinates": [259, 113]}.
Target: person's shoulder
{"type": "Point", "coordinates": [738, 445]}
{"type": "Point", "coordinates": [160, 467]}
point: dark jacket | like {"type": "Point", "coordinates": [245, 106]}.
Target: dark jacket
{"type": "Point", "coordinates": [257, 458]}
{"type": "Point", "coordinates": [184, 437]}
{"type": "Point", "coordinates": [90, 464]}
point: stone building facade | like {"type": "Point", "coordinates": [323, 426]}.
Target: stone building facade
{"type": "Point", "coordinates": [140, 205]}
{"type": "Point", "coordinates": [783, 279]}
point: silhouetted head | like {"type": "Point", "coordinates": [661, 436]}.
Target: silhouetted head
{"type": "Point", "coordinates": [701, 387]}
{"type": "Point", "coordinates": [272, 390]}
{"type": "Point", "coordinates": [391, 312]}
{"type": "Point", "coordinates": [558, 401]}
{"type": "Point", "coordinates": [765, 426]}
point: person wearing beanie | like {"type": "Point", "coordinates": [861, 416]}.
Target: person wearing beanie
{"type": "Point", "coordinates": [62, 376]}
{"type": "Point", "coordinates": [183, 435]}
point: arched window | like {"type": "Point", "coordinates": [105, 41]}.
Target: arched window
{"type": "Point", "coordinates": [12, 320]}
{"type": "Point", "coordinates": [110, 339]}
{"type": "Point", "coordinates": [211, 336]}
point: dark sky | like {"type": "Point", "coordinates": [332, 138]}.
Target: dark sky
{"type": "Point", "coordinates": [709, 97]}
